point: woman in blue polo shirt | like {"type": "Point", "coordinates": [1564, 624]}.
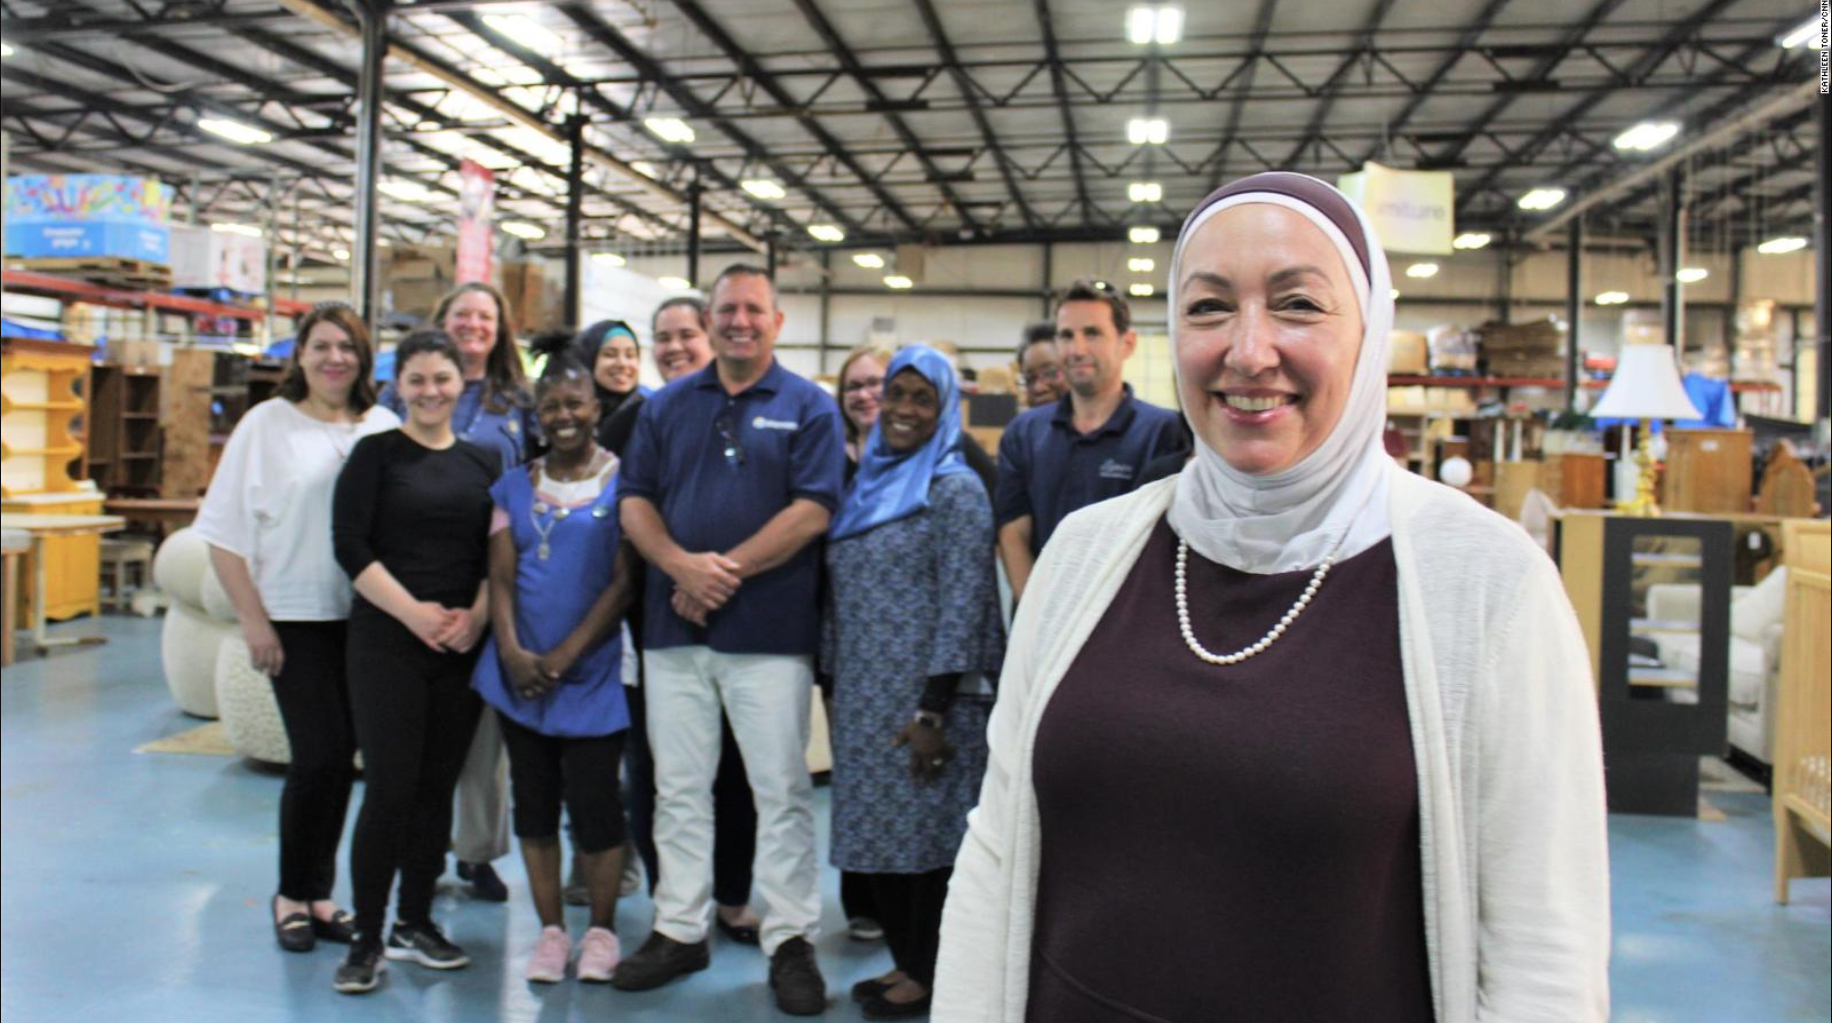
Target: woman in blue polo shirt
{"type": "Point", "coordinates": [559, 586]}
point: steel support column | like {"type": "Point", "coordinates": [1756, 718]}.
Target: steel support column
{"type": "Point", "coordinates": [769, 254]}
{"type": "Point", "coordinates": [365, 276]}
{"type": "Point", "coordinates": [1822, 259]}
{"type": "Point", "coordinates": [693, 231]}
{"type": "Point", "coordinates": [575, 212]}
{"type": "Point", "coordinates": [1574, 305]}
{"type": "Point", "coordinates": [1668, 261]}
{"type": "Point", "coordinates": [826, 302]}
{"type": "Point", "coordinates": [1730, 314]}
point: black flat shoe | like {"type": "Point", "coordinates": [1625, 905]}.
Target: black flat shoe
{"type": "Point", "coordinates": [866, 990]}
{"type": "Point", "coordinates": [743, 934]}
{"type": "Point", "coordinates": [293, 932]}
{"type": "Point", "coordinates": [340, 928]}
{"type": "Point", "coordinates": [884, 1008]}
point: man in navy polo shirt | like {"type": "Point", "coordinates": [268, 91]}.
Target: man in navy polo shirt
{"type": "Point", "coordinates": [730, 476]}
{"type": "Point", "coordinates": [1090, 445]}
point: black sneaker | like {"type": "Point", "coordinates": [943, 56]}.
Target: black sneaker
{"type": "Point", "coordinates": [361, 969]}
{"type": "Point", "coordinates": [485, 884]}
{"type": "Point", "coordinates": [796, 979]}
{"type": "Point", "coordinates": [658, 961]}
{"type": "Point", "coordinates": [423, 944]}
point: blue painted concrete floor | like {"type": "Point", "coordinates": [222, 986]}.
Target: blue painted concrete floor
{"type": "Point", "coordinates": [134, 887]}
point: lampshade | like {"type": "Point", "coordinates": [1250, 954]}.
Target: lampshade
{"type": "Point", "coordinates": [1645, 386]}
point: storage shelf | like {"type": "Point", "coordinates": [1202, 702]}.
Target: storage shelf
{"type": "Point", "coordinates": [1654, 626]}
{"type": "Point", "coordinates": [46, 406]}
{"type": "Point", "coordinates": [121, 298]}
{"type": "Point", "coordinates": [1662, 678]}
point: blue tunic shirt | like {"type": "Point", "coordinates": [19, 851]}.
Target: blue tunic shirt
{"type": "Point", "coordinates": [718, 467]}
{"type": "Point", "coordinates": [1048, 469]}
{"type": "Point", "coordinates": [552, 596]}
{"type": "Point", "coordinates": [508, 433]}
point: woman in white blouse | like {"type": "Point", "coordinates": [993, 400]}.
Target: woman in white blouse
{"type": "Point", "coordinates": [267, 519]}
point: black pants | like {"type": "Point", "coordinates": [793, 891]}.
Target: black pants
{"type": "Point", "coordinates": [734, 827]}
{"type": "Point", "coordinates": [415, 714]}
{"type": "Point", "coordinates": [909, 907]}
{"type": "Point", "coordinates": [545, 770]}
{"type": "Point", "coordinates": [314, 697]}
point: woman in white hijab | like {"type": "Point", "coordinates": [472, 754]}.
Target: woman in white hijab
{"type": "Point", "coordinates": [1296, 735]}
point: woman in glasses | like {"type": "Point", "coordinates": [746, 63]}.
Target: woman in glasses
{"type": "Point", "coordinates": [861, 384]}
{"type": "Point", "coordinates": [267, 519]}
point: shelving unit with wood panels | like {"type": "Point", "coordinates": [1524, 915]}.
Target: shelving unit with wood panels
{"type": "Point", "coordinates": [125, 444]}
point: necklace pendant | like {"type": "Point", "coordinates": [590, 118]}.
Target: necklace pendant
{"type": "Point", "coordinates": [543, 551]}
{"type": "Point", "coordinates": [540, 507]}
{"type": "Point", "coordinates": [560, 513]}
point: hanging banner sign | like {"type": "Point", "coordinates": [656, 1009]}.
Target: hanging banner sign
{"type": "Point", "coordinates": [1413, 211]}
{"type": "Point", "coordinates": [476, 215]}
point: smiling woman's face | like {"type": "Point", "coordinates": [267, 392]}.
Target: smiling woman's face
{"type": "Point", "coordinates": [1268, 330]}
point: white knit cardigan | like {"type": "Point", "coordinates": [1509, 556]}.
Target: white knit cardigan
{"type": "Point", "coordinates": [1504, 733]}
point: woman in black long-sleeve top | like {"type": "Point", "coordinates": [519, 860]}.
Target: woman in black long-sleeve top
{"type": "Point", "coordinates": [410, 520]}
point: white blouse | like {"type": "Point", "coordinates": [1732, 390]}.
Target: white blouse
{"type": "Point", "coordinates": [270, 503]}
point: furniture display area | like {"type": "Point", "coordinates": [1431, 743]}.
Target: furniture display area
{"type": "Point", "coordinates": [1708, 471]}
{"type": "Point", "coordinates": [15, 544]}
{"type": "Point", "coordinates": [42, 413]}
{"type": "Point", "coordinates": [1658, 719]}
{"type": "Point", "coordinates": [190, 637]}
{"type": "Point", "coordinates": [1754, 653]}
{"type": "Point", "coordinates": [47, 531]}
{"type": "Point", "coordinates": [124, 439]}
{"type": "Point", "coordinates": [1803, 717]}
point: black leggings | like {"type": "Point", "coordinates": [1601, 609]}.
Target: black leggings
{"type": "Point", "coordinates": [734, 815]}
{"type": "Point", "coordinates": [314, 698]}
{"type": "Point", "coordinates": [909, 907]}
{"type": "Point", "coordinates": [415, 714]}
{"type": "Point", "coordinates": [544, 769]}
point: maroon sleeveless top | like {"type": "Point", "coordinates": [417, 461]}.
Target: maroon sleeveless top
{"type": "Point", "coordinates": [1232, 843]}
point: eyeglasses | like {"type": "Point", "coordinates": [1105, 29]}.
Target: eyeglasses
{"type": "Point", "coordinates": [863, 384]}
{"type": "Point", "coordinates": [734, 451]}
{"type": "Point", "coordinates": [1046, 375]}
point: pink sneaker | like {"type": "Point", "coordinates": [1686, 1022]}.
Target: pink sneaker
{"type": "Point", "coordinates": [599, 954]}
{"type": "Point", "coordinates": [548, 963]}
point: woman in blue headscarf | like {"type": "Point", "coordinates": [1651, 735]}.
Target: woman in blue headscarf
{"type": "Point", "coordinates": [913, 640]}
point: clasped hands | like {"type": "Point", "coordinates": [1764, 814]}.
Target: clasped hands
{"type": "Point", "coordinates": [535, 675]}
{"type": "Point", "coordinates": [446, 629]}
{"type": "Point", "coordinates": [702, 584]}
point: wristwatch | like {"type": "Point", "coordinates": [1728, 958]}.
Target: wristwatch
{"type": "Point", "coordinates": [930, 718]}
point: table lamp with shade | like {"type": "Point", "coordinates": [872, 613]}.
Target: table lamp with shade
{"type": "Point", "coordinates": [1645, 386]}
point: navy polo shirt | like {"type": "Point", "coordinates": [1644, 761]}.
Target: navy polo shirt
{"type": "Point", "coordinates": [719, 466]}
{"type": "Point", "coordinates": [1048, 469]}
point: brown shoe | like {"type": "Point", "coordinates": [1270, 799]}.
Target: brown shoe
{"type": "Point", "coordinates": [658, 961]}
{"type": "Point", "coordinates": [796, 979]}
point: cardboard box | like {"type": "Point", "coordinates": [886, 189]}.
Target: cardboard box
{"type": "Point", "coordinates": [95, 216]}
{"type": "Point", "coordinates": [1408, 353]}
{"type": "Point", "coordinates": [202, 258]}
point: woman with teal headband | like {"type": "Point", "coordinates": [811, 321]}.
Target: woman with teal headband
{"type": "Point", "coordinates": [913, 639]}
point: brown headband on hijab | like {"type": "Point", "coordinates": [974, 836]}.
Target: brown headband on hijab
{"type": "Point", "coordinates": [1305, 189]}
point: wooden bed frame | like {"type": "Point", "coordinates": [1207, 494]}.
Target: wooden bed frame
{"type": "Point", "coordinates": [1803, 718]}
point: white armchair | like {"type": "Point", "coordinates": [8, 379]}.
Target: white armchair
{"type": "Point", "coordinates": [1755, 653]}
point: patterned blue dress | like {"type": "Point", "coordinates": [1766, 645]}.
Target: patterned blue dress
{"type": "Point", "coordinates": [909, 599]}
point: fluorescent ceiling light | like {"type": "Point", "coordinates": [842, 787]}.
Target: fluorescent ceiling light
{"type": "Point", "coordinates": [643, 167]}
{"type": "Point", "coordinates": [1153, 131]}
{"type": "Point", "coordinates": [1141, 266]}
{"type": "Point", "coordinates": [868, 261]}
{"type": "Point", "coordinates": [1142, 235]}
{"type": "Point", "coordinates": [523, 229]}
{"type": "Point", "coordinates": [1145, 191]}
{"type": "Point", "coordinates": [1612, 298]}
{"type": "Point", "coordinates": [341, 255]}
{"type": "Point", "coordinates": [5, 50]}
{"type": "Point", "coordinates": [1782, 246]}
{"type": "Point", "coordinates": [1542, 198]}
{"type": "Point", "coordinates": [1647, 136]}
{"type": "Point", "coordinates": [670, 129]}
{"type": "Point", "coordinates": [1470, 240]}
{"type": "Point", "coordinates": [406, 191]}
{"type": "Point", "coordinates": [675, 283]}
{"type": "Point", "coordinates": [1809, 35]}
{"type": "Point", "coordinates": [1691, 275]}
{"type": "Point", "coordinates": [1154, 23]}
{"type": "Point", "coordinates": [826, 233]}
{"type": "Point", "coordinates": [898, 282]}
{"type": "Point", "coordinates": [1140, 290]}
{"type": "Point", "coordinates": [245, 230]}
{"type": "Point", "coordinates": [1394, 292]}
{"type": "Point", "coordinates": [527, 31]}
{"type": "Point", "coordinates": [764, 188]}
{"type": "Point", "coordinates": [234, 131]}
{"type": "Point", "coordinates": [609, 258]}
{"type": "Point", "coordinates": [1420, 271]}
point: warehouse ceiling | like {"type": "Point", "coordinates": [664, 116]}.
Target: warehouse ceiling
{"type": "Point", "coordinates": [914, 121]}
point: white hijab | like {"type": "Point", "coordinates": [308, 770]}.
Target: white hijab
{"type": "Point", "coordinates": [1334, 500]}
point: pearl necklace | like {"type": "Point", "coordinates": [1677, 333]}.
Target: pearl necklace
{"type": "Point", "coordinates": [1189, 635]}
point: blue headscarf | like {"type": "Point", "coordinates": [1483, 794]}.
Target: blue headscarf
{"type": "Point", "coordinates": [890, 485]}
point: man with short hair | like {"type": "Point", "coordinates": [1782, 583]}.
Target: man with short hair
{"type": "Point", "coordinates": [1083, 448]}
{"type": "Point", "coordinates": [1039, 369]}
{"type": "Point", "coordinates": [731, 476]}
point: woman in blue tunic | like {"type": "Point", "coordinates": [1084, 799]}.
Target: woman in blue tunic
{"type": "Point", "coordinates": [913, 639]}
{"type": "Point", "coordinates": [495, 411]}
{"type": "Point", "coordinates": [559, 585]}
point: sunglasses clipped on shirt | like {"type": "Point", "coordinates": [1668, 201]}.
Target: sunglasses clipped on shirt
{"type": "Point", "coordinates": [728, 431]}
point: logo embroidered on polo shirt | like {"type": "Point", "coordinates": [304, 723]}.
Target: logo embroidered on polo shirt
{"type": "Point", "coordinates": [761, 423]}
{"type": "Point", "coordinates": [1112, 469]}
